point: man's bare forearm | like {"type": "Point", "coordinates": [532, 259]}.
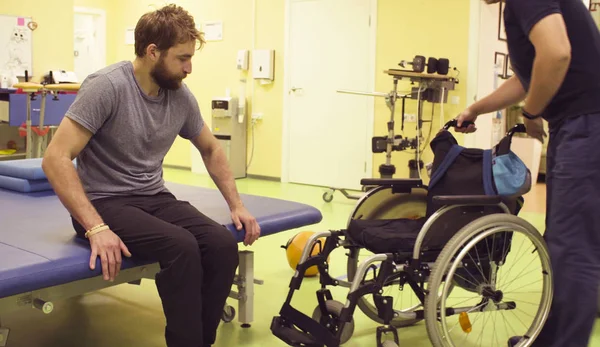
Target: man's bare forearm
{"type": "Point", "coordinates": [509, 93]}
{"type": "Point", "coordinates": [218, 168]}
{"type": "Point", "coordinates": [63, 177]}
{"type": "Point", "coordinates": [548, 74]}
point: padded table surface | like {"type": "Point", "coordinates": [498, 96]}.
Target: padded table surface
{"type": "Point", "coordinates": [38, 246]}
{"type": "Point", "coordinates": [30, 169]}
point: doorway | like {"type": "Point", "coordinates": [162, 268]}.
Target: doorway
{"type": "Point", "coordinates": [89, 41]}
{"type": "Point", "coordinates": [330, 46]}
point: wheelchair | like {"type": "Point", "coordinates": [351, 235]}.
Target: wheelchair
{"type": "Point", "coordinates": [439, 245]}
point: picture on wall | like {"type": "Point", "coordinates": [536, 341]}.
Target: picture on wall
{"type": "Point", "coordinates": [503, 66]}
{"type": "Point", "coordinates": [501, 29]}
{"type": "Point", "coordinates": [500, 63]}
{"type": "Point", "coordinates": [509, 71]}
{"type": "Point", "coordinates": [16, 42]}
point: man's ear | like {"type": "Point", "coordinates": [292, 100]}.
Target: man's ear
{"type": "Point", "coordinates": [152, 52]}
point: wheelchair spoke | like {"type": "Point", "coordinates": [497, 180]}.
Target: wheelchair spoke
{"type": "Point", "coordinates": [495, 330]}
{"type": "Point", "coordinates": [526, 302]}
{"type": "Point", "coordinates": [485, 279]}
{"type": "Point", "coordinates": [507, 285]}
{"type": "Point", "coordinates": [519, 319]}
{"type": "Point", "coordinates": [480, 339]}
{"type": "Point", "coordinates": [466, 280]}
{"type": "Point", "coordinates": [518, 260]}
{"type": "Point", "coordinates": [507, 323]}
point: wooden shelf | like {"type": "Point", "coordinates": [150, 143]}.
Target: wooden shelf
{"type": "Point", "coordinates": [417, 75]}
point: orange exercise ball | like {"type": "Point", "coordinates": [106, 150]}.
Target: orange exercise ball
{"type": "Point", "coordinates": [295, 247]}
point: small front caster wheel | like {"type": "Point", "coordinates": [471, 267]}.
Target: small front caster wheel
{"type": "Point", "coordinates": [332, 321]}
{"type": "Point", "coordinates": [389, 343]}
{"type": "Point", "coordinates": [328, 196]}
{"type": "Point", "coordinates": [228, 314]}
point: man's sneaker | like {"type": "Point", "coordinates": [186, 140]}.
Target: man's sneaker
{"type": "Point", "coordinates": [512, 342]}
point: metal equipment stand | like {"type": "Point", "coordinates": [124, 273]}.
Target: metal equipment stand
{"type": "Point", "coordinates": [35, 147]}
{"type": "Point", "coordinates": [432, 88]}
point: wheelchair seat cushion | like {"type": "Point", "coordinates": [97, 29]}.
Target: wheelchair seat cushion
{"type": "Point", "coordinates": [385, 235]}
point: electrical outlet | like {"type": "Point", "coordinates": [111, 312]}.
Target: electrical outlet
{"type": "Point", "coordinates": [455, 100]}
{"type": "Point", "coordinates": [410, 117]}
{"type": "Point", "coordinates": [257, 116]}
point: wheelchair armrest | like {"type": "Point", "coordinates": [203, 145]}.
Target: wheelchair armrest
{"type": "Point", "coordinates": [403, 183]}
{"type": "Point", "coordinates": [481, 200]}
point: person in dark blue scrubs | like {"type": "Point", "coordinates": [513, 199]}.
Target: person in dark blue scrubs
{"type": "Point", "coordinates": [554, 48]}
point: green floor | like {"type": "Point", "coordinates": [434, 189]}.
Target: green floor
{"type": "Point", "coordinates": [131, 316]}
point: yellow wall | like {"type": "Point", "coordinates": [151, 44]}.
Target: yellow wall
{"type": "Point", "coordinates": [48, 52]}
{"type": "Point", "coordinates": [435, 28]}
{"type": "Point", "coordinates": [53, 39]}
{"type": "Point", "coordinates": [403, 28]}
{"type": "Point", "coordinates": [214, 69]}
{"type": "Point", "coordinates": [399, 36]}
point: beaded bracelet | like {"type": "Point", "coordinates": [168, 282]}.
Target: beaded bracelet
{"type": "Point", "coordinates": [96, 229]}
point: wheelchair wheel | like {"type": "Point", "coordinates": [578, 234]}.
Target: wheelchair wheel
{"type": "Point", "coordinates": [382, 203]}
{"type": "Point", "coordinates": [504, 286]}
{"type": "Point", "coordinates": [334, 311]}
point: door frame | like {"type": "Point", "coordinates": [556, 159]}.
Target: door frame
{"type": "Point", "coordinates": [285, 153]}
{"type": "Point", "coordinates": [101, 28]}
{"type": "Point", "coordinates": [473, 61]}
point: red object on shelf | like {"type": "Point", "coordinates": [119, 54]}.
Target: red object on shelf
{"type": "Point", "coordinates": [37, 130]}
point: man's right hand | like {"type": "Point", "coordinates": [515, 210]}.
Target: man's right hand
{"type": "Point", "coordinates": [108, 246]}
{"type": "Point", "coordinates": [469, 116]}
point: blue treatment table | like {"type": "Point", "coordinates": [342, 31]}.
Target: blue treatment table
{"type": "Point", "coordinates": [41, 259]}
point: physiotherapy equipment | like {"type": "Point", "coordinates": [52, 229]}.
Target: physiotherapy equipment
{"type": "Point", "coordinates": [430, 87]}
{"type": "Point", "coordinates": [451, 238]}
{"type": "Point", "coordinates": [434, 65]}
{"type": "Point", "coordinates": [37, 136]}
{"type": "Point", "coordinates": [42, 261]}
{"type": "Point", "coordinates": [229, 127]}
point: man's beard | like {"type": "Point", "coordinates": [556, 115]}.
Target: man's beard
{"type": "Point", "coordinates": [163, 79]}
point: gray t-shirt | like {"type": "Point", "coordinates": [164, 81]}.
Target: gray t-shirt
{"type": "Point", "coordinates": [132, 131]}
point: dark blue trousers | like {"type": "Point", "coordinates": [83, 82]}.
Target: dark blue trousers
{"type": "Point", "coordinates": [573, 230]}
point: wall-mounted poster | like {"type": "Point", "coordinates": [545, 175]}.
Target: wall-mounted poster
{"type": "Point", "coordinates": [501, 29]}
{"type": "Point", "coordinates": [509, 70]}
{"type": "Point", "coordinates": [500, 63]}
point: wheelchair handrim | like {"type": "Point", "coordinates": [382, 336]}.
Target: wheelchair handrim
{"type": "Point", "coordinates": [507, 226]}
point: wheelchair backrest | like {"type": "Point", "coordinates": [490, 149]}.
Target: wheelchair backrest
{"type": "Point", "coordinates": [468, 173]}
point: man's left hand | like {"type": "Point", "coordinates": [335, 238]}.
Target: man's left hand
{"type": "Point", "coordinates": [242, 218]}
{"type": "Point", "coordinates": [535, 128]}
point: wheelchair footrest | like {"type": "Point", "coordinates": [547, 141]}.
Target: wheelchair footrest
{"type": "Point", "coordinates": [298, 329]}
{"type": "Point", "coordinates": [291, 335]}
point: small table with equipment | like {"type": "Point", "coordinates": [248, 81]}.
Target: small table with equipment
{"type": "Point", "coordinates": [36, 129]}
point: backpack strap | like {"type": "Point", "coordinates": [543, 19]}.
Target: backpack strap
{"type": "Point", "coordinates": [453, 153]}
{"type": "Point", "coordinates": [488, 184]}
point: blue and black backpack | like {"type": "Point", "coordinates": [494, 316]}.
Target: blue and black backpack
{"type": "Point", "coordinates": [457, 170]}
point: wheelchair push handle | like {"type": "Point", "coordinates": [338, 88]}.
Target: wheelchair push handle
{"type": "Point", "coordinates": [454, 123]}
{"type": "Point", "coordinates": [517, 128]}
